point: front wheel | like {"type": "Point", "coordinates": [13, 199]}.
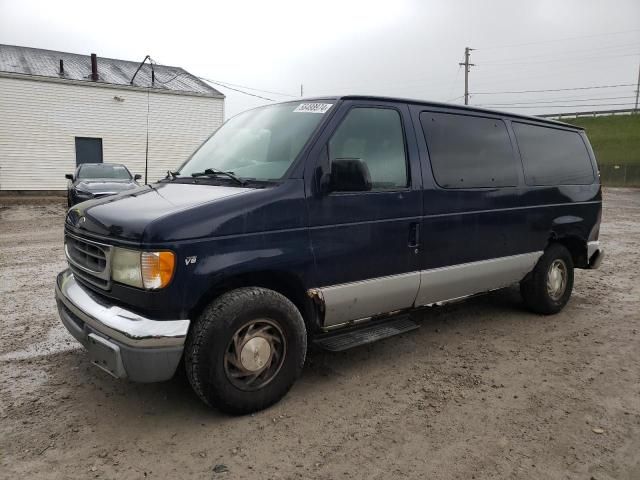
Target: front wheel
{"type": "Point", "coordinates": [246, 350]}
{"type": "Point", "coordinates": [547, 288]}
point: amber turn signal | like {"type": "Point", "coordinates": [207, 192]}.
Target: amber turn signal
{"type": "Point", "coordinates": [157, 269]}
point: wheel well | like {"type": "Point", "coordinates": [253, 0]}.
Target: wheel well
{"type": "Point", "coordinates": [285, 283]}
{"type": "Point", "coordinates": [577, 248]}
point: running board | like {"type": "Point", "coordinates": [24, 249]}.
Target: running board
{"type": "Point", "coordinates": [339, 341]}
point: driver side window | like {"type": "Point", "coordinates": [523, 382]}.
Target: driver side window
{"type": "Point", "coordinates": [375, 136]}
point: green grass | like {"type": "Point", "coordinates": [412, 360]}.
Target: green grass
{"type": "Point", "coordinates": [615, 138]}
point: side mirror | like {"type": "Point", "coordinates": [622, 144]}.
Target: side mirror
{"type": "Point", "coordinates": [349, 175]}
{"type": "Point", "coordinates": [137, 176]}
{"type": "Point", "coordinates": [69, 176]}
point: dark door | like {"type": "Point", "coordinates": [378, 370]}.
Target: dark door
{"type": "Point", "coordinates": [474, 229]}
{"type": "Point", "coordinates": [88, 150]}
{"type": "Point", "coordinates": [366, 243]}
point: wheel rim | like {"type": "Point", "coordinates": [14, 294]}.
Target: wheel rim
{"type": "Point", "coordinates": [557, 279]}
{"type": "Point", "coordinates": [255, 354]}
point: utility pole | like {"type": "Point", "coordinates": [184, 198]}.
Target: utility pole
{"type": "Point", "coordinates": [467, 69]}
{"type": "Point", "coordinates": [301, 90]}
{"type": "Point", "coordinates": [637, 90]}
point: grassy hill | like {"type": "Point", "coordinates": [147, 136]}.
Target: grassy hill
{"type": "Point", "coordinates": [615, 138]}
{"type": "Point", "coordinates": [616, 142]}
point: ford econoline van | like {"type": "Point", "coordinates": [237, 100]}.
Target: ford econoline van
{"type": "Point", "coordinates": [327, 221]}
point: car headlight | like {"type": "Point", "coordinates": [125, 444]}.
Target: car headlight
{"type": "Point", "coordinates": [83, 194]}
{"type": "Point", "coordinates": [150, 270]}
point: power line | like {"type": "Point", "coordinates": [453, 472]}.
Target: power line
{"type": "Point", "coordinates": [556, 89]}
{"type": "Point", "coordinates": [569, 106]}
{"type": "Point", "coordinates": [454, 99]}
{"type": "Point", "coordinates": [558, 40]}
{"type": "Point", "coordinates": [236, 89]}
{"type": "Point", "coordinates": [567, 59]}
{"type": "Point", "coordinates": [602, 49]}
{"type": "Point", "coordinates": [221, 82]}
{"type": "Point", "coordinates": [228, 85]}
{"type": "Point", "coordinates": [558, 101]}
{"type": "Point", "coordinates": [453, 84]}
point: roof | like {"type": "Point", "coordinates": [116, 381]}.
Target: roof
{"type": "Point", "coordinates": [46, 65]}
{"type": "Point", "coordinates": [428, 103]}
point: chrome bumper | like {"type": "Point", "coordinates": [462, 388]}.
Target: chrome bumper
{"type": "Point", "coordinates": [120, 341]}
{"type": "Point", "coordinates": [595, 254]}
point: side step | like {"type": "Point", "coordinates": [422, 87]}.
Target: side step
{"type": "Point", "coordinates": [339, 341]}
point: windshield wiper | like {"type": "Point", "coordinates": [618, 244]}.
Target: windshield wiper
{"type": "Point", "coordinates": [212, 172]}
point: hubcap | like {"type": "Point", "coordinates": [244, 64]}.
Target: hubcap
{"type": "Point", "coordinates": [557, 279]}
{"type": "Point", "coordinates": [255, 354]}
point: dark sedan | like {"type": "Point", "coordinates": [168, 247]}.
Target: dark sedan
{"type": "Point", "coordinates": [95, 180]}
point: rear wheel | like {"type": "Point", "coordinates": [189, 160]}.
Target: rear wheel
{"type": "Point", "coordinates": [548, 287]}
{"type": "Point", "coordinates": [246, 350]}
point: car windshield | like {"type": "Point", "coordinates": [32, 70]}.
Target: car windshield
{"type": "Point", "coordinates": [259, 144]}
{"type": "Point", "coordinates": [99, 170]}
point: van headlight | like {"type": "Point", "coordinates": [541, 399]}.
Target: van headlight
{"type": "Point", "coordinates": [150, 270]}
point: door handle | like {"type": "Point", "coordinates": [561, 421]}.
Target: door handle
{"type": "Point", "coordinates": [414, 235]}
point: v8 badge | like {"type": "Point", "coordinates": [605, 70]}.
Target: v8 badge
{"type": "Point", "coordinates": [191, 260]}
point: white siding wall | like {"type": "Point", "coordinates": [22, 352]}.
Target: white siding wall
{"type": "Point", "coordinates": [39, 122]}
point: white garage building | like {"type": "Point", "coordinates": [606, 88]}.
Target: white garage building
{"type": "Point", "coordinates": [58, 110]}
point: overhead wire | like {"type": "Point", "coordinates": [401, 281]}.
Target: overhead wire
{"type": "Point", "coordinates": [556, 89]}
{"type": "Point", "coordinates": [236, 89]}
{"type": "Point", "coordinates": [564, 52]}
{"type": "Point", "coordinates": [557, 101]}
{"type": "Point", "coordinates": [221, 82]}
{"type": "Point", "coordinates": [563, 106]}
{"type": "Point", "coordinates": [563, 60]}
{"type": "Point", "coordinates": [494, 47]}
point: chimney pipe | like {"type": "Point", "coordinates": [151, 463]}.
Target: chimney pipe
{"type": "Point", "coordinates": [94, 67]}
{"type": "Point", "coordinates": [61, 67]}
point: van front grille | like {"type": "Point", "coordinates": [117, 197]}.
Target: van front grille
{"type": "Point", "coordinates": [89, 260]}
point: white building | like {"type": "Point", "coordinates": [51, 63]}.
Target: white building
{"type": "Point", "coordinates": [61, 109]}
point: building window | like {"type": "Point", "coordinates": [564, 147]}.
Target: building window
{"type": "Point", "coordinates": [88, 150]}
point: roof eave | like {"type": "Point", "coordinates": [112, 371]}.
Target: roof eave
{"type": "Point", "coordinates": [91, 83]}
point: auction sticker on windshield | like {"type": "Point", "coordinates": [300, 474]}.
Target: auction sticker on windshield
{"type": "Point", "coordinates": [313, 107]}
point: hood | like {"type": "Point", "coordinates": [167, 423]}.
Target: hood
{"type": "Point", "coordinates": [127, 215]}
{"type": "Point", "coordinates": [105, 186]}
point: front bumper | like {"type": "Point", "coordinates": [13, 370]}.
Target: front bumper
{"type": "Point", "coordinates": [119, 341]}
{"type": "Point", "coordinates": [595, 254]}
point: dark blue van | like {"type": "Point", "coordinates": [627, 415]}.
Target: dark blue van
{"type": "Point", "coordinates": [327, 221]}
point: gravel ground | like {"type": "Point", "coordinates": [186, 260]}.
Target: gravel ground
{"type": "Point", "coordinates": [483, 390]}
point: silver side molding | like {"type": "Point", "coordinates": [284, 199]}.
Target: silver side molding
{"type": "Point", "coordinates": [447, 283]}
{"type": "Point", "coordinates": [358, 300]}
{"type": "Point", "coordinates": [351, 302]}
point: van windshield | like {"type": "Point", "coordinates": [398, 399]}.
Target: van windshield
{"type": "Point", "coordinates": [259, 144]}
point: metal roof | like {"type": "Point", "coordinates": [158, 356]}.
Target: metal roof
{"type": "Point", "coordinates": [46, 63]}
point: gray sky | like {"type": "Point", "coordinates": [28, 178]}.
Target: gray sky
{"type": "Point", "coordinates": [397, 48]}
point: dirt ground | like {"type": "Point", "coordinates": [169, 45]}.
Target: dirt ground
{"type": "Point", "coordinates": [483, 389]}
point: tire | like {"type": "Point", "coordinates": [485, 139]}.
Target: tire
{"type": "Point", "coordinates": [538, 289]}
{"type": "Point", "coordinates": [234, 329]}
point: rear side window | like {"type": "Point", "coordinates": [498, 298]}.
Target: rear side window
{"type": "Point", "coordinates": [468, 151]}
{"type": "Point", "coordinates": [551, 156]}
